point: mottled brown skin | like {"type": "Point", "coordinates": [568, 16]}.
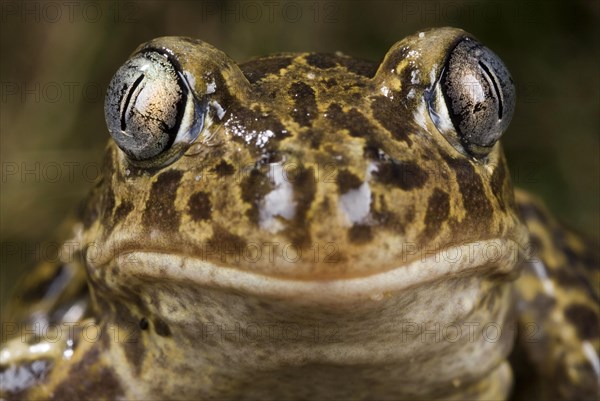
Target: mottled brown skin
{"type": "Point", "coordinates": [558, 310]}
{"type": "Point", "coordinates": [163, 248]}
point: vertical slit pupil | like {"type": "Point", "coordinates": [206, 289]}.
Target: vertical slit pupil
{"type": "Point", "coordinates": [136, 83]}
{"type": "Point", "coordinates": [496, 87]}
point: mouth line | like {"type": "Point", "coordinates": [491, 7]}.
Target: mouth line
{"type": "Point", "coordinates": [449, 262]}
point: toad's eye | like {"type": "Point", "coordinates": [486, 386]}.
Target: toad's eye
{"type": "Point", "coordinates": [149, 107]}
{"type": "Point", "coordinates": [478, 97]}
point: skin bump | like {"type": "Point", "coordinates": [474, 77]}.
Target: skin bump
{"type": "Point", "coordinates": [104, 384]}
{"type": "Point", "coordinates": [161, 328]}
{"type": "Point", "coordinates": [122, 211]}
{"type": "Point", "coordinates": [585, 319]}
{"type": "Point", "coordinates": [476, 204]}
{"type": "Point", "coordinates": [224, 169]}
{"type": "Point", "coordinates": [404, 175]}
{"type": "Point", "coordinates": [199, 206]}
{"type": "Point", "coordinates": [259, 69]}
{"type": "Point", "coordinates": [160, 206]}
{"type": "Point", "coordinates": [133, 345]}
{"type": "Point", "coordinates": [360, 234]}
{"type": "Point", "coordinates": [385, 112]}
{"type": "Point", "coordinates": [304, 194]}
{"type": "Point", "coordinates": [321, 61]}
{"type": "Point", "coordinates": [498, 184]}
{"type": "Point", "coordinates": [438, 209]}
{"type": "Point", "coordinates": [347, 181]}
{"type": "Point", "coordinates": [305, 104]}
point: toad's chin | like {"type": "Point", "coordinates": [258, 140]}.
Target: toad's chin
{"type": "Point", "coordinates": [495, 256]}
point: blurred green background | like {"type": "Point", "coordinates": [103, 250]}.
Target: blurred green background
{"type": "Point", "coordinates": [58, 57]}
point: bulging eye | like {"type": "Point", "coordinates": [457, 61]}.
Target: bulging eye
{"type": "Point", "coordinates": [476, 94]}
{"type": "Point", "coordinates": [149, 108]}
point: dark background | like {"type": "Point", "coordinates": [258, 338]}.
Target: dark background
{"type": "Point", "coordinates": [58, 57]}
